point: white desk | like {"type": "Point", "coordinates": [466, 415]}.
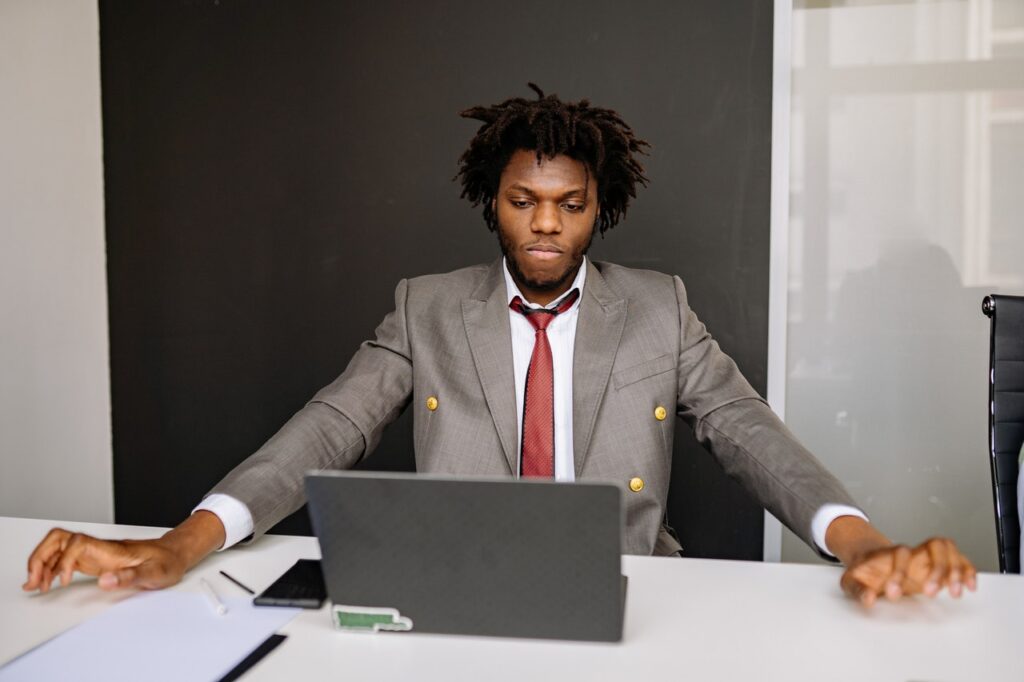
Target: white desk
{"type": "Point", "coordinates": [686, 619]}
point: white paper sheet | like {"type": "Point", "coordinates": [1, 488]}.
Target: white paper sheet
{"type": "Point", "coordinates": [167, 635]}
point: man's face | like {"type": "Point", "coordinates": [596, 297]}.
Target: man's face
{"type": "Point", "coordinates": [546, 215]}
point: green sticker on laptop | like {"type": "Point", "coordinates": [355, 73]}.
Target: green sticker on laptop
{"type": "Point", "coordinates": [369, 619]}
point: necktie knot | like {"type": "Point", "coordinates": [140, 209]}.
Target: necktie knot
{"type": "Point", "coordinates": [540, 318]}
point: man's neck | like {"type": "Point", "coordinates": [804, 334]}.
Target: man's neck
{"type": "Point", "coordinates": [547, 296]}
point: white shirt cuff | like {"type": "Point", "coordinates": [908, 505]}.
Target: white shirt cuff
{"type": "Point", "coordinates": [825, 515]}
{"type": "Point", "coordinates": [232, 513]}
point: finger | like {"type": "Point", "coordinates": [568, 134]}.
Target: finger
{"type": "Point", "coordinates": [874, 571]}
{"type": "Point", "coordinates": [917, 571]}
{"type": "Point", "coordinates": [46, 580]}
{"type": "Point", "coordinates": [865, 581]}
{"type": "Point", "coordinates": [152, 577]}
{"type": "Point", "coordinates": [52, 561]}
{"type": "Point", "coordinates": [866, 595]}
{"type": "Point", "coordinates": [49, 571]}
{"type": "Point", "coordinates": [144, 577]}
{"type": "Point", "coordinates": [50, 566]}
{"type": "Point", "coordinates": [43, 570]}
{"type": "Point", "coordinates": [65, 568]}
{"type": "Point", "coordinates": [970, 574]}
{"type": "Point", "coordinates": [938, 552]}
{"type": "Point", "coordinates": [49, 545]}
{"type": "Point", "coordinates": [956, 573]}
{"type": "Point", "coordinates": [858, 589]}
{"type": "Point", "coordinates": [894, 584]}
{"type": "Point", "coordinates": [122, 577]}
{"type": "Point", "coordinates": [850, 582]}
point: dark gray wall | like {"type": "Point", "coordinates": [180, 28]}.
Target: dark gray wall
{"type": "Point", "coordinates": [274, 168]}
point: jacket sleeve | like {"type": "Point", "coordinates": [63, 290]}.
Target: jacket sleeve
{"type": "Point", "coordinates": [749, 441]}
{"type": "Point", "coordinates": [335, 430]}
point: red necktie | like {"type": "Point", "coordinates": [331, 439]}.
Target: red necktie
{"type": "Point", "coordinates": [537, 456]}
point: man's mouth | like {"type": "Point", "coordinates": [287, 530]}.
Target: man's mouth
{"type": "Point", "coordinates": [544, 251]}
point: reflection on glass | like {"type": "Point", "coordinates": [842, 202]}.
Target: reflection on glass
{"type": "Point", "coordinates": [907, 207]}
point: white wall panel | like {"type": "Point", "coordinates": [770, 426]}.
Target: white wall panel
{"type": "Point", "coordinates": [55, 451]}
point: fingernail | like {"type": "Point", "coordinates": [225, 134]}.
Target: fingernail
{"type": "Point", "coordinates": [931, 587]}
{"type": "Point", "coordinates": [108, 580]}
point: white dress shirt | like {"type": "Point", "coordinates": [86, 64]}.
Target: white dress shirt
{"type": "Point", "coordinates": [561, 333]}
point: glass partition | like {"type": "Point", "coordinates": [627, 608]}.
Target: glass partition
{"type": "Point", "coordinates": [907, 208]}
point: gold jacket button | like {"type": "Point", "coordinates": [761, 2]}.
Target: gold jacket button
{"type": "Point", "coordinates": [431, 403]}
{"type": "Point", "coordinates": [660, 413]}
{"type": "Point", "coordinates": [636, 484]}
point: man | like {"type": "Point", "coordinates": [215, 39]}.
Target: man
{"type": "Point", "coordinates": [540, 364]}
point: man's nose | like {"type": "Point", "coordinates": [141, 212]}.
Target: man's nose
{"type": "Point", "coordinates": [546, 219]}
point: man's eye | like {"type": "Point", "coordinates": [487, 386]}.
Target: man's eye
{"type": "Point", "coordinates": [520, 203]}
{"type": "Point", "coordinates": [575, 208]}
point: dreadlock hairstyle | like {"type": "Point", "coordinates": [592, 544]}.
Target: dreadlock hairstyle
{"type": "Point", "coordinates": [597, 137]}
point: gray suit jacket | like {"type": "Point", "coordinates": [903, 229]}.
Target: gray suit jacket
{"type": "Point", "coordinates": [638, 347]}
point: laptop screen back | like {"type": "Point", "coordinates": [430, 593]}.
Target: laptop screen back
{"type": "Point", "coordinates": [471, 556]}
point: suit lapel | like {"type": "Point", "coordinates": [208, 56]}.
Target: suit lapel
{"type": "Point", "coordinates": [485, 314]}
{"type": "Point", "coordinates": [598, 331]}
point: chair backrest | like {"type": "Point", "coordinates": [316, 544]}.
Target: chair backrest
{"type": "Point", "coordinates": [1006, 419]}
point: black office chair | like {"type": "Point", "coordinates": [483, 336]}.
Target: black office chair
{"type": "Point", "coordinates": [1006, 418]}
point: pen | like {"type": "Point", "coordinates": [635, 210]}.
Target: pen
{"type": "Point", "coordinates": [215, 602]}
{"type": "Point", "coordinates": [236, 582]}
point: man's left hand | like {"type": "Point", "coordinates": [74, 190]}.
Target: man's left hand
{"type": "Point", "coordinates": [899, 570]}
{"type": "Point", "coordinates": [876, 567]}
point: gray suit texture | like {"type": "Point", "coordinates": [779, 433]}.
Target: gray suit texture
{"type": "Point", "coordinates": [638, 347]}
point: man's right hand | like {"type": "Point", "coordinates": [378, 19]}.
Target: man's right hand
{"type": "Point", "coordinates": [147, 564]}
{"type": "Point", "coordinates": [143, 564]}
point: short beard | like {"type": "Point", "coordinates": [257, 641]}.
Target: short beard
{"type": "Point", "coordinates": [536, 284]}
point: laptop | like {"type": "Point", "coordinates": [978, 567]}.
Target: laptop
{"type": "Point", "coordinates": [470, 556]}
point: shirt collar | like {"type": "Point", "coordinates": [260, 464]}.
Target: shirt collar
{"type": "Point", "coordinates": [512, 290]}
